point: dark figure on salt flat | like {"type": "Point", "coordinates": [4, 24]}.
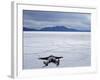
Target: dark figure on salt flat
{"type": "Point", "coordinates": [51, 59]}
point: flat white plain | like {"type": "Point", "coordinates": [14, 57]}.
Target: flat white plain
{"type": "Point", "coordinates": [75, 47]}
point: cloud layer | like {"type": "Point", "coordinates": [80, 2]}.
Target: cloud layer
{"type": "Point", "coordinates": [41, 19]}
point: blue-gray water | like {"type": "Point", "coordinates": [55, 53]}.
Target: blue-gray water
{"type": "Point", "coordinates": [73, 46]}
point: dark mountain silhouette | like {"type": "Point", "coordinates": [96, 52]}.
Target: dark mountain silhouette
{"type": "Point", "coordinates": [28, 29]}
{"type": "Point", "coordinates": [56, 28]}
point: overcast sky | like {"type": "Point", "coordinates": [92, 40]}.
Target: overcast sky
{"type": "Point", "coordinates": [41, 19]}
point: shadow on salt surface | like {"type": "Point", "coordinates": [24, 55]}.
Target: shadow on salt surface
{"type": "Point", "coordinates": [69, 60]}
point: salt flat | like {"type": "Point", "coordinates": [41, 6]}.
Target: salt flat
{"type": "Point", "coordinates": [75, 47]}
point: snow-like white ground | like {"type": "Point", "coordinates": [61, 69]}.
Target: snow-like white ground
{"type": "Point", "coordinates": [75, 47]}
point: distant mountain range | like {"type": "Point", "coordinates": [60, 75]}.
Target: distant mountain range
{"type": "Point", "coordinates": [56, 28]}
